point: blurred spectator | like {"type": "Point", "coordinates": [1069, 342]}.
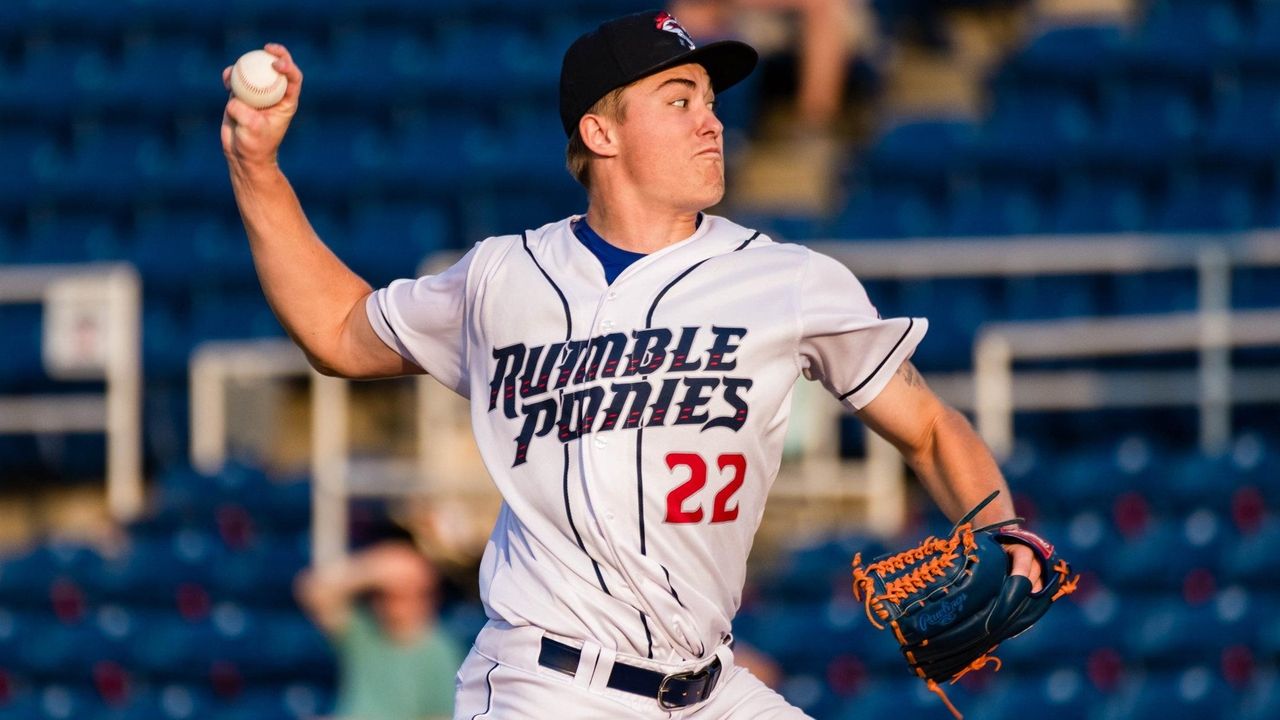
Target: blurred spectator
{"type": "Point", "coordinates": [825, 37]}
{"type": "Point", "coordinates": [379, 608]}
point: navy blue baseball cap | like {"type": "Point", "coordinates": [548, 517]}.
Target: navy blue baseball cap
{"type": "Point", "coordinates": [631, 47]}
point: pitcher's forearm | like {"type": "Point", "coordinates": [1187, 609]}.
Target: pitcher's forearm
{"type": "Point", "coordinates": [958, 470]}
{"type": "Point", "coordinates": [310, 290]}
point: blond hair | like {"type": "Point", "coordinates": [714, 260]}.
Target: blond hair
{"type": "Point", "coordinates": [577, 156]}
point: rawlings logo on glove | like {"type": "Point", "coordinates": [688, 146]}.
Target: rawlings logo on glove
{"type": "Point", "coordinates": [950, 602]}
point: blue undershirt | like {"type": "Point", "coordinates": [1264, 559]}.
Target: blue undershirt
{"type": "Point", "coordinates": [614, 259]}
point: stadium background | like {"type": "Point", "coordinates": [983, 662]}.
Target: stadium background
{"type": "Point", "coordinates": [426, 125]}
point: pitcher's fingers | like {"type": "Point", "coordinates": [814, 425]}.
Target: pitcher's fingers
{"type": "Point", "coordinates": [1024, 563]}
{"type": "Point", "coordinates": [285, 65]}
{"type": "Point", "coordinates": [226, 77]}
{"type": "Point", "coordinates": [242, 114]}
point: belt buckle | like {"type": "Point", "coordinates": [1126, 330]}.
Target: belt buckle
{"type": "Point", "coordinates": [688, 676]}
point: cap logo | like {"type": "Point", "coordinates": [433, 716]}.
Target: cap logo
{"type": "Point", "coordinates": [665, 21]}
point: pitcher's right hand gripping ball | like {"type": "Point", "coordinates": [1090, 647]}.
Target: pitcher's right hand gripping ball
{"type": "Point", "coordinates": [251, 136]}
{"type": "Point", "coordinates": [952, 601]}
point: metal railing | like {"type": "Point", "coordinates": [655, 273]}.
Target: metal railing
{"type": "Point", "coordinates": [91, 331]}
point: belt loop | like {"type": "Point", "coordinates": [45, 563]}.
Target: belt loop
{"type": "Point", "coordinates": [587, 662]}
{"type": "Point", "coordinates": [725, 653]}
{"type": "Point", "coordinates": [603, 668]}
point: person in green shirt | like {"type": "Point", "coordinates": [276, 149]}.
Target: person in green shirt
{"type": "Point", "coordinates": [379, 608]}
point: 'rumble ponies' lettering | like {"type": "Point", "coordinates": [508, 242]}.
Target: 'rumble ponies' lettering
{"type": "Point", "coordinates": [621, 381]}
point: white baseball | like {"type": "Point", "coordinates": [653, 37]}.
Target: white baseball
{"type": "Point", "coordinates": [254, 81]}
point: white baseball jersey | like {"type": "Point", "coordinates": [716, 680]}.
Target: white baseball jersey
{"type": "Point", "coordinates": [635, 428]}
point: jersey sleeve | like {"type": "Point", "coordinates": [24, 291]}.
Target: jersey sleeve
{"type": "Point", "coordinates": [844, 343]}
{"type": "Point", "coordinates": [422, 320]}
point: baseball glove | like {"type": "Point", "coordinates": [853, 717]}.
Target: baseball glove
{"type": "Point", "coordinates": [952, 601]}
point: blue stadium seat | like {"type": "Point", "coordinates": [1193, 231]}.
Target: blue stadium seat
{"type": "Point", "coordinates": [43, 84]}
{"type": "Point", "coordinates": [63, 237]}
{"type": "Point", "coordinates": [185, 499]}
{"type": "Point", "coordinates": [196, 168]}
{"type": "Point", "coordinates": [1259, 700]}
{"type": "Point", "coordinates": [1076, 56]}
{"type": "Point", "coordinates": [1254, 559]}
{"type": "Point", "coordinates": [907, 697]}
{"type": "Point", "coordinates": [1260, 53]}
{"type": "Point", "coordinates": [1220, 202]}
{"type": "Point", "coordinates": [782, 630]}
{"type": "Point", "coordinates": [232, 316]}
{"type": "Point", "coordinates": [174, 248]}
{"type": "Point", "coordinates": [1145, 128]}
{"type": "Point", "coordinates": [21, 704]}
{"type": "Point", "coordinates": [192, 83]}
{"type": "Point", "coordinates": [787, 227]}
{"type": "Point", "coordinates": [495, 61]}
{"type": "Point", "coordinates": [1164, 553]}
{"type": "Point", "coordinates": [261, 575]}
{"type": "Point", "coordinates": [28, 151]}
{"type": "Point", "coordinates": [328, 157]}
{"type": "Point", "coordinates": [994, 208]}
{"type": "Point", "coordinates": [1169, 633]}
{"type": "Point", "coordinates": [1107, 204]}
{"type": "Point", "coordinates": [1244, 129]}
{"type": "Point", "coordinates": [1245, 619]}
{"type": "Point", "coordinates": [151, 570]}
{"type": "Point", "coordinates": [68, 15]}
{"type": "Point", "coordinates": [888, 211]}
{"type": "Point", "coordinates": [526, 150]}
{"type": "Point", "coordinates": [1084, 539]}
{"type": "Point", "coordinates": [462, 621]}
{"type": "Point", "coordinates": [1197, 692]}
{"type": "Point", "coordinates": [1070, 632]}
{"type": "Point", "coordinates": [53, 649]}
{"type": "Point", "coordinates": [274, 702]}
{"type": "Point", "coordinates": [1188, 481]}
{"type": "Point", "coordinates": [8, 246]}
{"type": "Point", "coordinates": [60, 701]}
{"type": "Point", "coordinates": [433, 152]}
{"type": "Point", "coordinates": [1153, 292]}
{"type": "Point", "coordinates": [1256, 287]}
{"type": "Point", "coordinates": [926, 150]}
{"type": "Point", "coordinates": [1039, 297]}
{"type": "Point", "coordinates": [366, 67]}
{"type": "Point", "coordinates": [26, 577]}
{"type": "Point", "coordinates": [168, 648]}
{"type": "Point", "coordinates": [1185, 39]}
{"type": "Point", "coordinates": [805, 574]}
{"type": "Point", "coordinates": [513, 210]}
{"type": "Point", "coordinates": [389, 241]}
{"type": "Point", "coordinates": [1034, 134]}
{"type": "Point", "coordinates": [21, 366]}
{"type": "Point", "coordinates": [15, 19]}
{"type": "Point", "coordinates": [295, 649]}
{"type": "Point", "coordinates": [109, 165]}
{"type": "Point", "coordinates": [1059, 694]}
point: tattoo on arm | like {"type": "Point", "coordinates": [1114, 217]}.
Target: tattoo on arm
{"type": "Point", "coordinates": [911, 375]}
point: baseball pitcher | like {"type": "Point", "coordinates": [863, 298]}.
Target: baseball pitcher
{"type": "Point", "coordinates": [629, 372]}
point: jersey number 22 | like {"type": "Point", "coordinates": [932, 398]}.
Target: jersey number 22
{"type": "Point", "coordinates": [735, 463]}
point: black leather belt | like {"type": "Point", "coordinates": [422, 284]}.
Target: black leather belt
{"type": "Point", "coordinates": [671, 691]}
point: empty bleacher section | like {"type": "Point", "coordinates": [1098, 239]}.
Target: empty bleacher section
{"type": "Point", "coordinates": [428, 125]}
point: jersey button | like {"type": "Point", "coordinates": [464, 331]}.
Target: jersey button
{"type": "Point", "coordinates": [611, 295]}
{"type": "Point", "coordinates": [601, 442]}
{"type": "Point", "coordinates": [606, 325]}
